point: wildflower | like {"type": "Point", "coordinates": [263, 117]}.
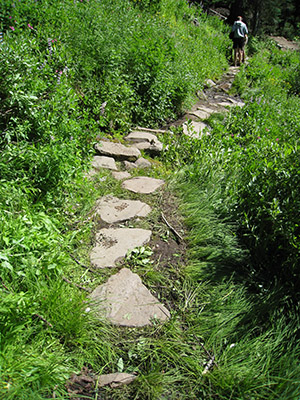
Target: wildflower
{"type": "Point", "coordinates": [232, 135]}
{"type": "Point", "coordinates": [10, 17]}
{"type": "Point", "coordinates": [12, 28]}
{"type": "Point", "coordinates": [29, 26]}
{"type": "Point", "coordinates": [267, 130]}
{"type": "Point", "coordinates": [276, 139]}
{"type": "Point", "coordinates": [52, 137]}
{"type": "Point", "coordinates": [258, 137]}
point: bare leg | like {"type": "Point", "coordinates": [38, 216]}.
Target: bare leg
{"type": "Point", "coordinates": [243, 56]}
{"type": "Point", "coordinates": [235, 56]}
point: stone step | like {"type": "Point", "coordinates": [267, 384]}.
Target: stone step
{"type": "Point", "coordinates": [117, 150]}
{"type": "Point", "coordinates": [143, 184]}
{"type": "Point", "coordinates": [125, 301]}
{"type": "Point", "coordinates": [113, 244]}
{"type": "Point", "coordinates": [113, 210]}
{"type": "Point", "coordinates": [194, 129]}
{"type": "Point", "coordinates": [145, 140]}
{"type": "Point", "coordinates": [140, 163]}
{"type": "Point", "coordinates": [121, 175]}
{"type": "Point", "coordinates": [99, 162]}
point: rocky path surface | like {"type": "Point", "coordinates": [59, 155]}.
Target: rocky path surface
{"type": "Point", "coordinates": [124, 300]}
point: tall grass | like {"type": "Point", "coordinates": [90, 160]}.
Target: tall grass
{"type": "Point", "coordinates": [238, 188]}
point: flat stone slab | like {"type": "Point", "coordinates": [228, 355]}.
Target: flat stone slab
{"type": "Point", "coordinates": [99, 162]}
{"type": "Point", "coordinates": [113, 244]}
{"type": "Point", "coordinates": [141, 136]}
{"type": "Point", "coordinates": [142, 184]}
{"type": "Point", "coordinates": [120, 175]}
{"type": "Point", "coordinates": [115, 380]}
{"type": "Point", "coordinates": [150, 148]}
{"type": "Point", "coordinates": [145, 140]}
{"type": "Point", "coordinates": [194, 129]}
{"type": "Point", "coordinates": [206, 109]}
{"type": "Point", "coordinates": [117, 150]}
{"type": "Point", "coordinates": [200, 114]}
{"type": "Point", "coordinates": [143, 163]}
{"type": "Point", "coordinates": [209, 83]}
{"type": "Point", "coordinates": [125, 301]}
{"type": "Point", "coordinates": [140, 163]}
{"type": "Point", "coordinates": [112, 210]}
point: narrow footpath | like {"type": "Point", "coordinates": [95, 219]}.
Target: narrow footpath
{"type": "Point", "coordinates": [123, 299]}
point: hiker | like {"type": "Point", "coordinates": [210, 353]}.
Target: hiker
{"type": "Point", "coordinates": [240, 37]}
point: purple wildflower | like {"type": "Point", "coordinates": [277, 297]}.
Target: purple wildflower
{"type": "Point", "coordinates": [12, 28]}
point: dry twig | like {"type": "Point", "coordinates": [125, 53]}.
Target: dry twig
{"type": "Point", "coordinates": [171, 227]}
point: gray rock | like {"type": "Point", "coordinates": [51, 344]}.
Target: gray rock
{"type": "Point", "coordinates": [200, 114]}
{"type": "Point", "coordinates": [146, 141]}
{"type": "Point", "coordinates": [113, 244]}
{"type": "Point", "coordinates": [125, 301]}
{"type": "Point", "coordinates": [206, 109]}
{"type": "Point", "coordinates": [143, 163]}
{"type": "Point", "coordinates": [99, 162]}
{"type": "Point", "coordinates": [115, 380]}
{"type": "Point", "coordinates": [142, 184]}
{"type": "Point", "coordinates": [112, 210]}
{"type": "Point", "coordinates": [194, 129]}
{"type": "Point", "coordinates": [129, 165]}
{"type": "Point", "coordinates": [121, 175]}
{"type": "Point", "coordinates": [141, 136]}
{"type": "Point", "coordinates": [152, 149]}
{"type": "Point", "coordinates": [209, 83]}
{"type": "Point", "coordinates": [117, 150]}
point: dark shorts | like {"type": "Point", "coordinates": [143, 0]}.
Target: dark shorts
{"type": "Point", "coordinates": [239, 43]}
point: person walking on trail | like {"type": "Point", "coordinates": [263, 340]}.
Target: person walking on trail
{"type": "Point", "coordinates": [240, 37]}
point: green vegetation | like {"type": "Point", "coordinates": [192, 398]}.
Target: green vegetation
{"type": "Point", "coordinates": [240, 197]}
{"type": "Point", "coordinates": [72, 72]}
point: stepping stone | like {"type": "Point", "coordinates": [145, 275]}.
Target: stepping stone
{"type": "Point", "coordinates": [115, 380]}
{"type": "Point", "coordinates": [117, 150]}
{"type": "Point", "coordinates": [112, 210]}
{"type": "Point", "coordinates": [194, 129]}
{"type": "Point", "coordinates": [155, 148]}
{"type": "Point", "coordinates": [143, 163]}
{"type": "Point", "coordinates": [140, 163]}
{"type": "Point", "coordinates": [129, 165]}
{"type": "Point", "coordinates": [104, 162]}
{"type": "Point", "coordinates": [200, 114]}
{"type": "Point", "coordinates": [209, 83]}
{"type": "Point", "coordinates": [226, 86]}
{"type": "Point", "coordinates": [142, 184]}
{"type": "Point", "coordinates": [120, 175]}
{"type": "Point", "coordinates": [236, 102]}
{"type": "Point", "coordinates": [145, 140]}
{"type": "Point", "coordinates": [113, 244]}
{"type": "Point", "coordinates": [125, 301]}
{"type": "Point", "coordinates": [141, 136]}
{"type": "Point", "coordinates": [206, 109]}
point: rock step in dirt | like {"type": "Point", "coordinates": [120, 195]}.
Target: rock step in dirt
{"type": "Point", "coordinates": [113, 210]}
{"type": "Point", "coordinates": [112, 245]}
{"type": "Point", "coordinates": [125, 301]}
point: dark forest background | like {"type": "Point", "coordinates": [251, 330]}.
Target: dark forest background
{"type": "Point", "coordinates": [272, 17]}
